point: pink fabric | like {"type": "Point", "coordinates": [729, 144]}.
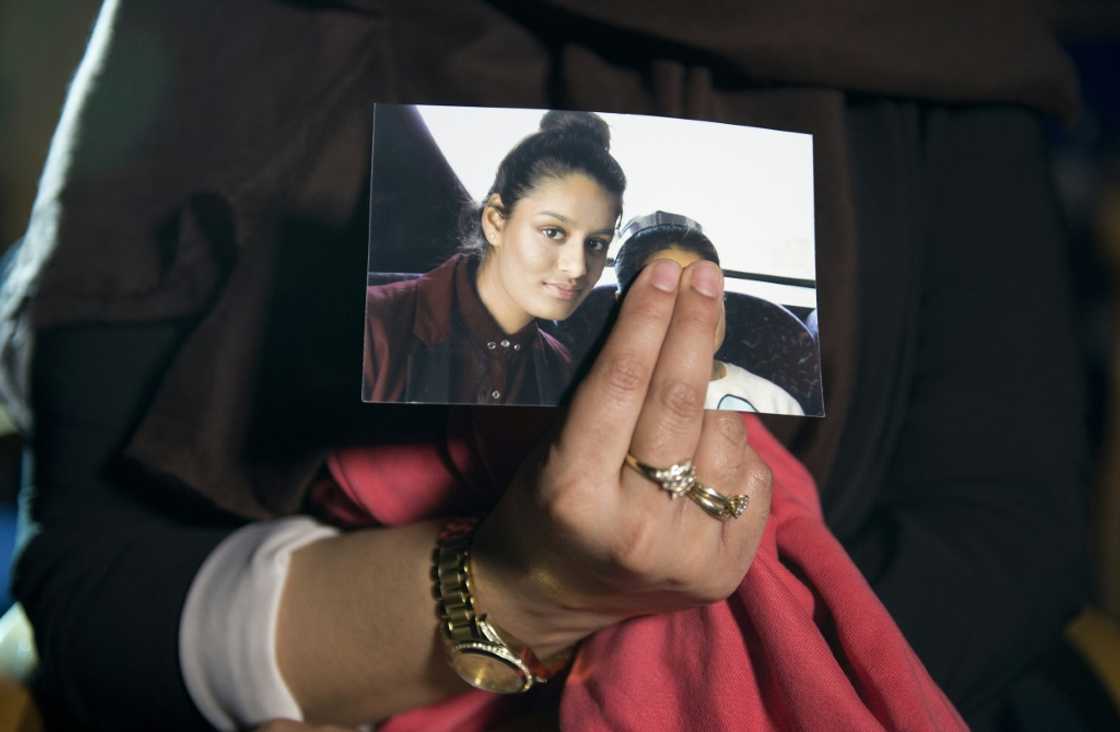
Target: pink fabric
{"type": "Point", "coordinates": [804, 644]}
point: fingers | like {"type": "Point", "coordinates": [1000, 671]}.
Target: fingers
{"type": "Point", "coordinates": [668, 429]}
{"type": "Point", "coordinates": [728, 464]}
{"type": "Point", "coordinates": [708, 555]}
{"type": "Point", "coordinates": [721, 457]}
{"type": "Point", "coordinates": [606, 405]}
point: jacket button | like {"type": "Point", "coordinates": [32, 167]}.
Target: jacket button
{"type": "Point", "coordinates": [491, 345]}
{"type": "Point", "coordinates": [495, 394]}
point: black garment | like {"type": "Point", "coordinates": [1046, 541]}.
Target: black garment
{"type": "Point", "coordinates": [951, 461]}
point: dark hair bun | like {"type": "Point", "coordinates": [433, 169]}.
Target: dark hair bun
{"type": "Point", "coordinates": [578, 124]}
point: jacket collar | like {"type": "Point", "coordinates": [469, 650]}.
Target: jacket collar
{"type": "Point", "coordinates": [452, 285]}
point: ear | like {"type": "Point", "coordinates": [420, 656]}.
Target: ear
{"type": "Point", "coordinates": [493, 220]}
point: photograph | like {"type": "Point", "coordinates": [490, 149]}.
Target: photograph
{"type": "Point", "coordinates": [502, 241]}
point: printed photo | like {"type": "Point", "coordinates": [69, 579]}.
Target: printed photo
{"type": "Point", "coordinates": [502, 240]}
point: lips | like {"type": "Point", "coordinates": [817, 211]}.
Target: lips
{"type": "Point", "coordinates": [562, 292]}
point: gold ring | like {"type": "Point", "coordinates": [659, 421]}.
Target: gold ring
{"type": "Point", "coordinates": [717, 505]}
{"type": "Point", "coordinates": [677, 479]}
{"type": "Point", "coordinates": [714, 508]}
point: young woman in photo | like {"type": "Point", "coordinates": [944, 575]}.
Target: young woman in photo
{"type": "Point", "coordinates": [467, 332]}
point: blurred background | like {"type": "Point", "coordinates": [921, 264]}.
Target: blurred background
{"type": "Point", "coordinates": [42, 41]}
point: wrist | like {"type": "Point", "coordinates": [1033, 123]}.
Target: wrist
{"type": "Point", "coordinates": [527, 600]}
{"type": "Point", "coordinates": [484, 654]}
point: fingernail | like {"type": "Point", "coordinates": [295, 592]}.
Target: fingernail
{"type": "Point", "coordinates": [707, 279]}
{"type": "Point", "coordinates": [666, 275]}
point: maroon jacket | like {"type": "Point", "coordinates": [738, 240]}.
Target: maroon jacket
{"type": "Point", "coordinates": [432, 340]}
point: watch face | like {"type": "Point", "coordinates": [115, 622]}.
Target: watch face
{"type": "Point", "coordinates": [482, 667]}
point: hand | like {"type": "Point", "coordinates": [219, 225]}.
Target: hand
{"type": "Point", "coordinates": [580, 541]}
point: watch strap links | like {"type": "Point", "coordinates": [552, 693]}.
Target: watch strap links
{"type": "Point", "coordinates": [463, 628]}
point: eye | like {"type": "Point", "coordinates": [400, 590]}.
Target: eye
{"type": "Point", "coordinates": [598, 245]}
{"type": "Point", "coordinates": [552, 232]}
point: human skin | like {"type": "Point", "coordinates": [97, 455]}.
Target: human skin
{"type": "Point", "coordinates": [577, 542]}
{"type": "Point", "coordinates": [545, 254]}
{"type": "Point", "coordinates": [685, 257]}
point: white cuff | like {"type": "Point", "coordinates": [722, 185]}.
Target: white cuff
{"type": "Point", "coordinates": [227, 634]}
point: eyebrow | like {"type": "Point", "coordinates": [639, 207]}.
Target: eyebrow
{"type": "Point", "coordinates": [566, 220]}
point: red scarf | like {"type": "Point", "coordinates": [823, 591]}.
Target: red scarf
{"type": "Point", "coordinates": [804, 644]}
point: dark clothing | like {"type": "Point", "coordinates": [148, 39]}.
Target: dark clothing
{"type": "Point", "coordinates": [229, 214]}
{"type": "Point", "coordinates": [432, 340]}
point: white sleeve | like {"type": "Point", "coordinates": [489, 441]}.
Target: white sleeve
{"type": "Point", "coordinates": [227, 634]}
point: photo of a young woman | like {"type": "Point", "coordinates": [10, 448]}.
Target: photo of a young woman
{"type": "Point", "coordinates": [467, 332]}
{"type": "Point", "coordinates": [663, 235]}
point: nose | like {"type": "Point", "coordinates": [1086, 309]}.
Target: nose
{"type": "Point", "coordinates": [573, 259]}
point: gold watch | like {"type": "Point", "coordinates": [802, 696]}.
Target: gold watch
{"type": "Point", "coordinates": [483, 654]}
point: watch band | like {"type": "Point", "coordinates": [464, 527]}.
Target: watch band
{"type": "Point", "coordinates": [466, 631]}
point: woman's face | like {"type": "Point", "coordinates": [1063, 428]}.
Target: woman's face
{"type": "Point", "coordinates": [685, 257]}
{"type": "Point", "coordinates": [548, 253]}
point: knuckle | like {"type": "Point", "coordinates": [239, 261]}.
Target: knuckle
{"type": "Point", "coordinates": [729, 425]}
{"type": "Point", "coordinates": [564, 504]}
{"type": "Point", "coordinates": [723, 451]}
{"type": "Point", "coordinates": [564, 509]}
{"type": "Point", "coordinates": [731, 470]}
{"type": "Point", "coordinates": [719, 587]}
{"type": "Point", "coordinates": [758, 481]}
{"type": "Point", "coordinates": [681, 399]}
{"type": "Point", "coordinates": [633, 547]}
{"type": "Point", "coordinates": [730, 577]}
{"type": "Point", "coordinates": [648, 309]}
{"type": "Point", "coordinates": [569, 498]}
{"type": "Point", "coordinates": [760, 476]}
{"type": "Point", "coordinates": [744, 546]}
{"type": "Point", "coordinates": [701, 314]}
{"type": "Point", "coordinates": [713, 573]}
{"type": "Point", "coordinates": [626, 374]}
